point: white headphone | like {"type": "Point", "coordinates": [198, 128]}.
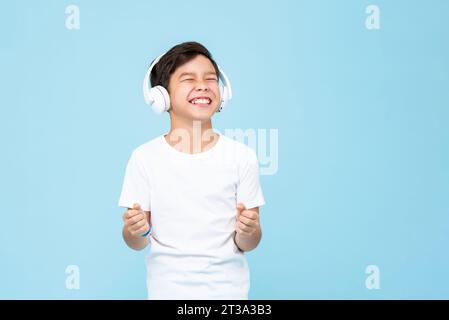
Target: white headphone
{"type": "Point", "coordinates": [157, 97]}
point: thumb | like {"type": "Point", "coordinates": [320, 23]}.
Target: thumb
{"type": "Point", "coordinates": [136, 206]}
{"type": "Point", "coordinates": [240, 207]}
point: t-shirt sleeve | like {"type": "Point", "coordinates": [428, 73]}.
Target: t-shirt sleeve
{"type": "Point", "coordinates": [249, 191]}
{"type": "Point", "coordinates": [136, 185]}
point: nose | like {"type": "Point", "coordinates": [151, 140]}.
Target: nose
{"type": "Point", "coordinates": [202, 85]}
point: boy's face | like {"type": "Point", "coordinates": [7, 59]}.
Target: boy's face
{"type": "Point", "coordinates": [196, 78]}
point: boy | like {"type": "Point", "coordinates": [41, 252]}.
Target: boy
{"type": "Point", "coordinates": [200, 197]}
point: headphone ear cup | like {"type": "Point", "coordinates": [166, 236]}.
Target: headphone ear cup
{"type": "Point", "coordinates": [223, 98]}
{"type": "Point", "coordinates": [161, 99]}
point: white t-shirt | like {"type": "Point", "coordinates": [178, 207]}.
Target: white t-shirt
{"type": "Point", "coordinates": [192, 199]}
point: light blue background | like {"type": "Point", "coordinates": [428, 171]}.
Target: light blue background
{"type": "Point", "coordinates": [363, 140]}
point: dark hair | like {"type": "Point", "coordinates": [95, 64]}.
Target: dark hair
{"type": "Point", "coordinates": [176, 57]}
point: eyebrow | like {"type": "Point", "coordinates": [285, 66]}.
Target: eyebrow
{"type": "Point", "coordinates": [192, 74]}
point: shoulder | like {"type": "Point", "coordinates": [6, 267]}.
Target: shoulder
{"type": "Point", "coordinates": [239, 149]}
{"type": "Point", "coordinates": [148, 148]}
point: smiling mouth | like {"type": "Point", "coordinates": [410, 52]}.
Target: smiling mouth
{"type": "Point", "coordinates": [201, 102]}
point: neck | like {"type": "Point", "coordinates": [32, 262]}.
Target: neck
{"type": "Point", "coordinates": [191, 136]}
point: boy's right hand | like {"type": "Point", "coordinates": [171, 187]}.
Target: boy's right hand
{"type": "Point", "coordinates": [135, 220]}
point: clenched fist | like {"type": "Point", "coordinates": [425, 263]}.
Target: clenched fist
{"type": "Point", "coordinates": [247, 221]}
{"type": "Point", "coordinates": [136, 221]}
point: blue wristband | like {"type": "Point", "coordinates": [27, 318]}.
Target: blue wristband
{"type": "Point", "coordinates": [147, 233]}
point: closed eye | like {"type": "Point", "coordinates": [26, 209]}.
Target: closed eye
{"type": "Point", "coordinates": [190, 79]}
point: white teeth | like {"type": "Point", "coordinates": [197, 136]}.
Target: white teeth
{"type": "Point", "coordinates": [201, 101]}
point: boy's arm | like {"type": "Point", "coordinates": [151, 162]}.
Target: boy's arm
{"type": "Point", "coordinates": [248, 230]}
{"type": "Point", "coordinates": [136, 223]}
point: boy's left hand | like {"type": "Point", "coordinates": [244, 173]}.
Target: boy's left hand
{"type": "Point", "coordinates": [247, 221]}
